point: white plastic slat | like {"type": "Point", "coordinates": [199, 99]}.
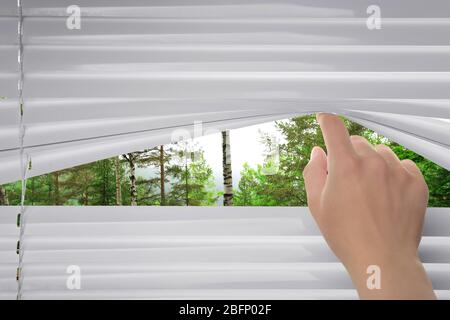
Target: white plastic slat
{"type": "Point", "coordinates": [245, 8]}
{"type": "Point", "coordinates": [304, 276]}
{"type": "Point", "coordinates": [174, 61]}
{"type": "Point", "coordinates": [138, 252]}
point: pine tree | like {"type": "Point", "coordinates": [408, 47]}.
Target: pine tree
{"type": "Point", "coordinates": [160, 158]}
{"type": "Point", "coordinates": [104, 183]}
{"type": "Point", "coordinates": [36, 192]}
{"type": "Point", "coordinates": [193, 183]}
{"type": "Point", "coordinates": [78, 184]}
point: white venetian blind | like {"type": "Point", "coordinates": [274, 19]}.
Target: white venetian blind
{"type": "Point", "coordinates": [188, 253]}
{"type": "Point", "coordinates": [137, 70]}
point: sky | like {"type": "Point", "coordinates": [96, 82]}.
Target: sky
{"type": "Point", "coordinates": [245, 148]}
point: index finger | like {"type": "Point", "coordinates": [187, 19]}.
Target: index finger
{"type": "Point", "coordinates": [335, 134]}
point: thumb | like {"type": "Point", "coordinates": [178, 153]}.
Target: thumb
{"type": "Point", "coordinates": [315, 176]}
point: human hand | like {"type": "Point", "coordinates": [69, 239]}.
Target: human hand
{"type": "Point", "coordinates": [370, 207]}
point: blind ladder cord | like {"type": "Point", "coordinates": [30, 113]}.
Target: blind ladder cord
{"type": "Point", "coordinates": [25, 161]}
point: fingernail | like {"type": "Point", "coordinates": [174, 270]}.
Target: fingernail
{"type": "Point", "coordinates": [318, 115]}
{"type": "Point", "coordinates": [314, 153]}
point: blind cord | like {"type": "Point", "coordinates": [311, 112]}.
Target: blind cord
{"type": "Point", "coordinates": [25, 163]}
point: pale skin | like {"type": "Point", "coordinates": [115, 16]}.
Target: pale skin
{"type": "Point", "coordinates": [370, 207]}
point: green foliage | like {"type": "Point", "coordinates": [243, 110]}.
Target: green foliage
{"type": "Point", "coordinates": [301, 134]}
{"type": "Point", "coordinates": [437, 178]}
{"type": "Point", "coordinates": [255, 188]}
{"type": "Point", "coordinates": [189, 179]}
{"type": "Point", "coordinates": [89, 184]}
{"type": "Point", "coordinates": [150, 190]}
{"type": "Point", "coordinates": [103, 183]}
{"type": "Point", "coordinates": [193, 183]}
{"type": "Point", "coordinates": [286, 186]}
{"type": "Point", "coordinates": [79, 184]}
{"type": "Point", "coordinates": [39, 191]}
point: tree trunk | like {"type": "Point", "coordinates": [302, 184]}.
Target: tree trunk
{"type": "Point", "coordinates": [227, 174]}
{"type": "Point", "coordinates": [118, 182]}
{"type": "Point", "coordinates": [186, 177]}
{"type": "Point", "coordinates": [33, 190]}
{"type": "Point", "coordinates": [57, 197]}
{"type": "Point", "coordinates": [162, 175]}
{"type": "Point", "coordinates": [133, 190]}
{"type": "Point", "coordinates": [3, 197]}
{"type": "Point", "coordinates": [50, 190]}
{"type": "Point", "coordinates": [105, 182]}
{"type": "Point", "coordinates": [86, 198]}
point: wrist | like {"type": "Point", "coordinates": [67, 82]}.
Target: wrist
{"type": "Point", "coordinates": [390, 277]}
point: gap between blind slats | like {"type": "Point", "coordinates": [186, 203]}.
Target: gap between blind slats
{"type": "Point", "coordinates": [47, 159]}
{"type": "Point", "coordinates": [438, 153]}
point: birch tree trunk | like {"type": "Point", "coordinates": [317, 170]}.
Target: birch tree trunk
{"type": "Point", "coordinates": [3, 197]}
{"type": "Point", "coordinates": [57, 196]}
{"type": "Point", "coordinates": [162, 176]}
{"type": "Point", "coordinates": [118, 182]}
{"type": "Point", "coordinates": [133, 191]}
{"type": "Point", "coordinates": [227, 174]}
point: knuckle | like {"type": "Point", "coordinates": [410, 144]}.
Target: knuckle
{"type": "Point", "coordinates": [375, 162]}
{"type": "Point", "coordinates": [351, 165]}
{"type": "Point", "coordinates": [358, 139]}
{"type": "Point", "coordinates": [402, 176]}
{"type": "Point", "coordinates": [420, 183]}
{"type": "Point", "coordinates": [410, 166]}
{"type": "Point", "coordinates": [381, 148]}
{"type": "Point", "coordinates": [404, 179]}
{"type": "Point", "coordinates": [425, 186]}
{"type": "Point", "coordinates": [414, 181]}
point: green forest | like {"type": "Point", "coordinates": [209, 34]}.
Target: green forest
{"type": "Point", "coordinates": [180, 175]}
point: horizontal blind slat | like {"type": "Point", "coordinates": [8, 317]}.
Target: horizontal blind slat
{"type": "Point", "coordinates": [211, 294]}
{"type": "Point", "coordinates": [175, 263]}
{"type": "Point", "coordinates": [319, 54]}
